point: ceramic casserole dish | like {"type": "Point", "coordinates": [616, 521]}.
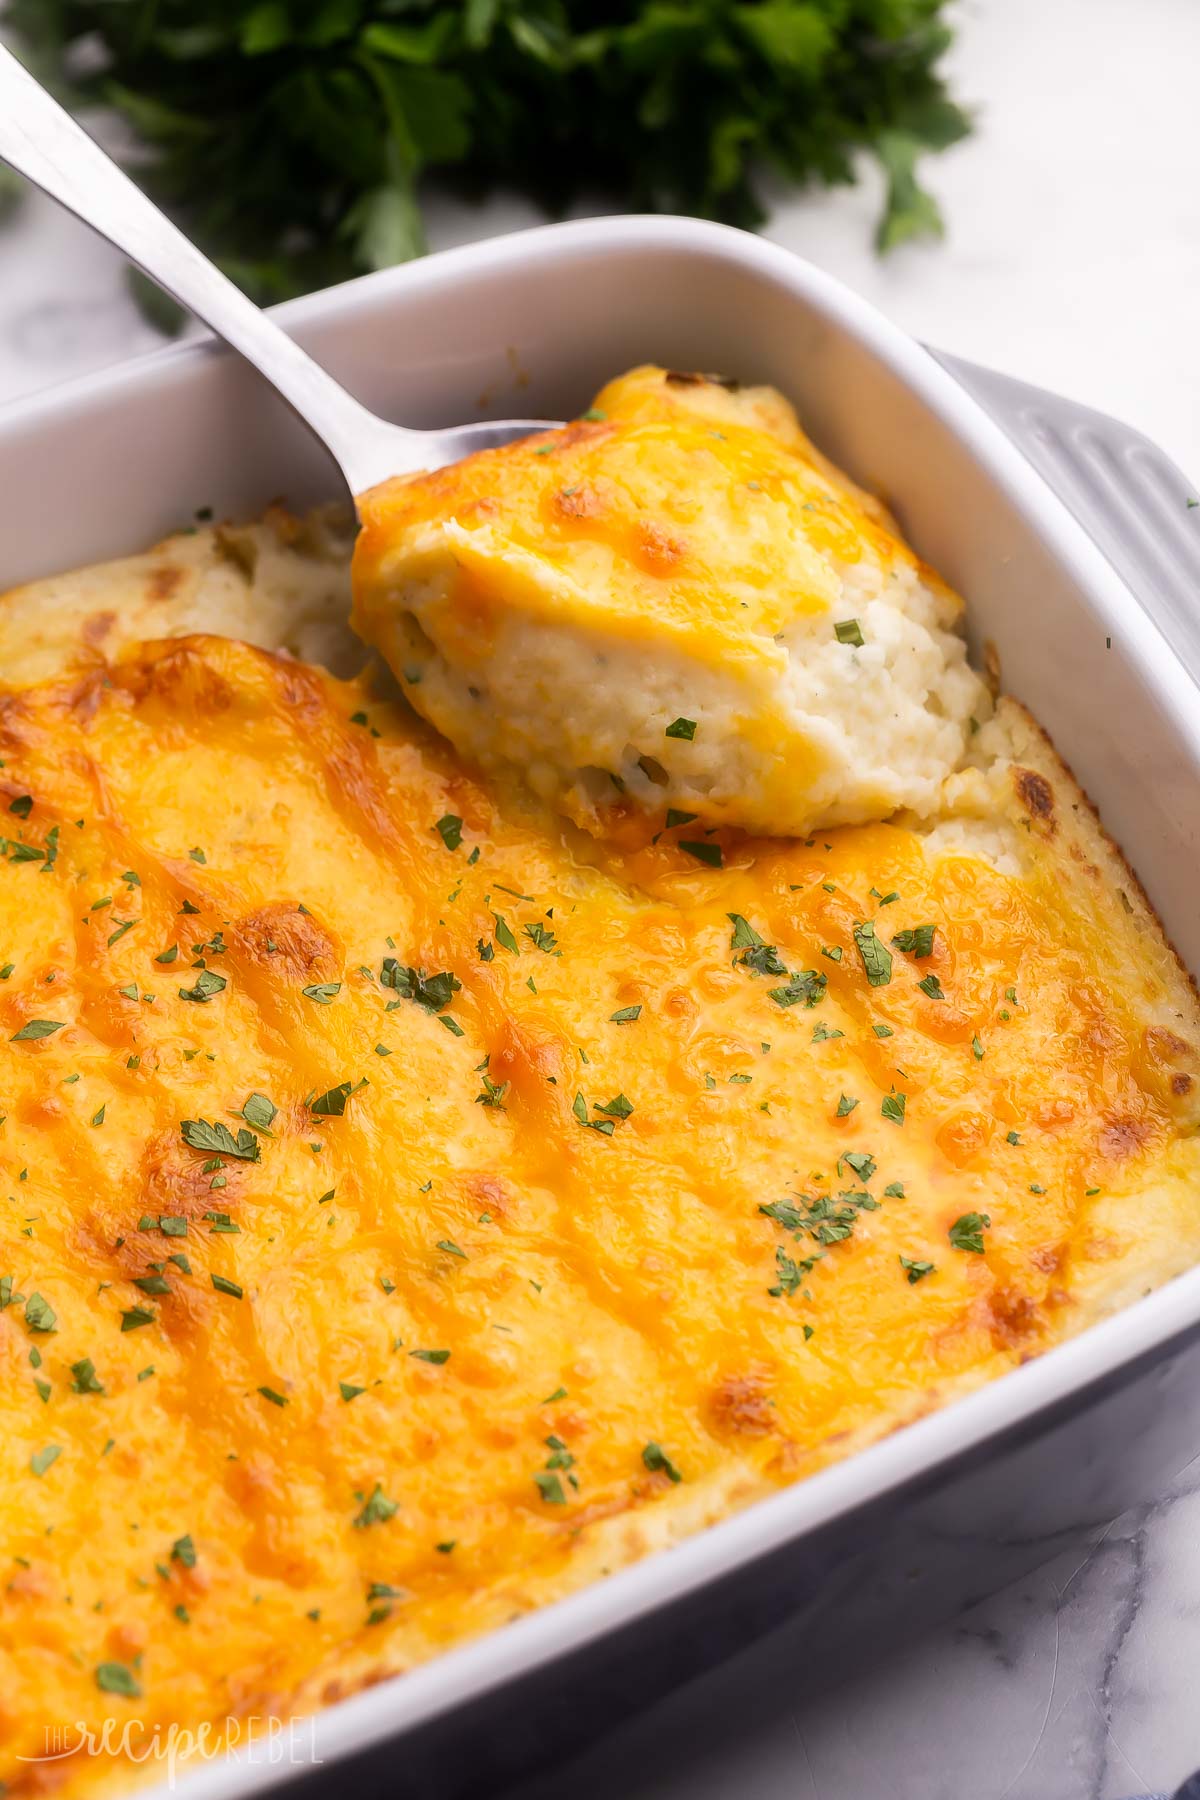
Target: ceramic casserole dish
{"type": "Point", "coordinates": [945, 1509]}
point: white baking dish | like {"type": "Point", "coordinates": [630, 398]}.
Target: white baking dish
{"type": "Point", "coordinates": [533, 324]}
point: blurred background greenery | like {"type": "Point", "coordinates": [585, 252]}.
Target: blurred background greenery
{"type": "Point", "coordinates": [294, 139]}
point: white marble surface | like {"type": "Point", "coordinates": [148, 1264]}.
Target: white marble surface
{"type": "Point", "coordinates": [1073, 259]}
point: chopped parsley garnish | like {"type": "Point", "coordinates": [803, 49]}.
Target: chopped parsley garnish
{"type": "Point", "coordinates": [430, 991]}
{"type": "Point", "coordinates": [893, 1107]}
{"type": "Point", "coordinates": [216, 1139]}
{"type": "Point", "coordinates": [915, 1269]}
{"type": "Point", "coordinates": [431, 1356]}
{"type": "Point", "coordinates": [449, 829]}
{"type": "Point", "coordinates": [849, 631]}
{"type": "Point", "coordinates": [933, 987]}
{"type": "Point", "coordinates": [977, 1048]}
{"type": "Point", "coordinates": [347, 1388]}
{"type": "Point", "coordinates": [493, 1094]}
{"type": "Point", "coordinates": [504, 936]}
{"type": "Point", "coordinates": [183, 1551]}
{"type": "Point", "coordinates": [916, 938]}
{"type": "Point", "coordinates": [83, 1377]}
{"type": "Point", "coordinates": [550, 1488]}
{"type": "Point", "coordinates": [323, 992]}
{"type": "Point", "coordinates": [967, 1231]}
{"type": "Point", "coordinates": [224, 1286]}
{"type": "Point", "coordinates": [259, 1112]}
{"type": "Point", "coordinates": [704, 853]}
{"type": "Point", "coordinates": [40, 1315]}
{"type": "Point", "coordinates": [208, 983]}
{"type": "Point", "coordinates": [625, 1016]}
{"type": "Point", "coordinates": [876, 960]}
{"type": "Point", "coordinates": [269, 1393]}
{"type": "Point", "coordinates": [37, 1028]}
{"type": "Point", "coordinates": [377, 1510]}
{"type": "Point", "coordinates": [451, 1248]}
{"type": "Point", "coordinates": [116, 1678]}
{"type": "Point", "coordinates": [168, 955]}
{"type": "Point", "coordinates": [22, 805]}
{"type": "Point", "coordinates": [680, 728]}
{"type": "Point", "coordinates": [756, 953]}
{"type": "Point", "coordinates": [658, 1462]}
{"type": "Point", "coordinates": [846, 1106]}
{"type": "Point", "coordinates": [332, 1103]}
{"type": "Point", "coordinates": [543, 939]}
{"type": "Point", "coordinates": [676, 818]}
{"type": "Point", "coordinates": [1013, 1137]}
{"type": "Point", "coordinates": [804, 985]}
{"type": "Point", "coordinates": [134, 1316]}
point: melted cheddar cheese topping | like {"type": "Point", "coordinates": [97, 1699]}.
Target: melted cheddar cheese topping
{"type": "Point", "coordinates": [413, 1208]}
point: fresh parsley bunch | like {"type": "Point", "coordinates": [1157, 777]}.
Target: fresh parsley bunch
{"type": "Point", "coordinates": [294, 138]}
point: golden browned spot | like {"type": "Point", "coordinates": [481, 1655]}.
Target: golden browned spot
{"type": "Point", "coordinates": [284, 941]}
{"type": "Point", "coordinates": [1011, 1316]}
{"type": "Point", "coordinates": [1049, 1258]}
{"type": "Point", "coordinates": [97, 626]}
{"type": "Point", "coordinates": [657, 550]}
{"type": "Point", "coordinates": [163, 582]}
{"type": "Point", "coordinates": [1181, 1084]}
{"type": "Point", "coordinates": [582, 501]}
{"type": "Point", "coordinates": [1123, 1137]}
{"type": "Point", "coordinates": [738, 1407]}
{"type": "Point", "coordinates": [1034, 793]}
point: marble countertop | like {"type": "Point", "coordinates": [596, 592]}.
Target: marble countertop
{"type": "Point", "coordinates": [1072, 259]}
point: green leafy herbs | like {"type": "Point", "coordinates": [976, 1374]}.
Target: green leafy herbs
{"type": "Point", "coordinates": [805, 987]}
{"type": "Point", "coordinates": [492, 1094]}
{"type": "Point", "coordinates": [259, 1112]}
{"type": "Point", "coordinates": [324, 119]}
{"type": "Point", "coordinates": [915, 940]}
{"type": "Point", "coordinates": [967, 1231]}
{"type": "Point", "coordinates": [323, 992]}
{"type": "Point", "coordinates": [37, 1028]}
{"type": "Point", "coordinates": [849, 631]}
{"type": "Point", "coordinates": [915, 1269]}
{"type": "Point", "coordinates": [40, 1315]}
{"type": "Point", "coordinates": [658, 1462]}
{"type": "Point", "coordinates": [332, 1103]}
{"type": "Point", "coordinates": [625, 1015]}
{"type": "Point", "coordinates": [709, 854]}
{"type": "Point", "coordinates": [449, 829]}
{"type": "Point", "coordinates": [752, 951]}
{"type": "Point", "coordinates": [876, 960]}
{"type": "Point", "coordinates": [117, 1678]}
{"type": "Point", "coordinates": [377, 1510]}
{"type": "Point", "coordinates": [681, 728]}
{"type": "Point", "coordinates": [83, 1377]}
{"type": "Point", "coordinates": [433, 992]}
{"type": "Point", "coordinates": [208, 983]}
{"type": "Point", "coordinates": [216, 1139]}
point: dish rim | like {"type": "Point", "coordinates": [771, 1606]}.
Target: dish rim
{"type": "Point", "coordinates": [1001, 1407]}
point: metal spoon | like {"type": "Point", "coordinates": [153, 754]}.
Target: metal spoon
{"type": "Point", "coordinates": [43, 143]}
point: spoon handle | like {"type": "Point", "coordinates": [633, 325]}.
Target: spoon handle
{"type": "Point", "coordinates": [42, 142]}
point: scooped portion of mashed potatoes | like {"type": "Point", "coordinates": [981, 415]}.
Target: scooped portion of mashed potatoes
{"type": "Point", "coordinates": [675, 603]}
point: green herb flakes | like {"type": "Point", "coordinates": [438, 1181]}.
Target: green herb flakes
{"type": "Point", "coordinates": [967, 1231]}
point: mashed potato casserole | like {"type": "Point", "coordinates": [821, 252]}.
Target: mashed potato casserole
{"type": "Point", "coordinates": [416, 1206]}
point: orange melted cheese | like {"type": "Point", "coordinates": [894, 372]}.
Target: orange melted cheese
{"type": "Point", "coordinates": [280, 1422]}
{"type": "Point", "coordinates": [674, 513]}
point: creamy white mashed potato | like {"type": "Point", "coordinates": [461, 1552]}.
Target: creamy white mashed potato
{"type": "Point", "coordinates": [675, 603]}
